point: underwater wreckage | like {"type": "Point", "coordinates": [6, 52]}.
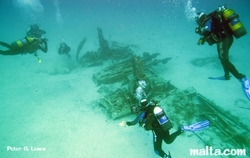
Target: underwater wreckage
{"type": "Point", "coordinates": [119, 82]}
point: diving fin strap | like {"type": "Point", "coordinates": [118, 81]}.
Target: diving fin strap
{"type": "Point", "coordinates": [196, 126]}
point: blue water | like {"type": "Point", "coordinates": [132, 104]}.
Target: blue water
{"type": "Point", "coordinates": [48, 104]}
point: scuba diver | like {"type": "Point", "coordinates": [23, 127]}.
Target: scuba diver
{"type": "Point", "coordinates": [152, 117]}
{"type": "Point", "coordinates": [64, 49]}
{"type": "Point", "coordinates": [26, 45]}
{"type": "Point", "coordinates": [220, 27]}
{"type": "Point", "coordinates": [35, 31]}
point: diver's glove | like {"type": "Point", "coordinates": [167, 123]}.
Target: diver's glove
{"type": "Point", "coordinates": [128, 123]}
{"type": "Point", "coordinates": [201, 41]}
{"type": "Point", "coordinates": [124, 123]}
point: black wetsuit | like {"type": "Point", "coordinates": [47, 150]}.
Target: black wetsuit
{"type": "Point", "coordinates": [31, 48]}
{"type": "Point", "coordinates": [158, 133]}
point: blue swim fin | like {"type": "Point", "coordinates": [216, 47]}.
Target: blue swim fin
{"type": "Point", "coordinates": [246, 87]}
{"type": "Point", "coordinates": [196, 126]}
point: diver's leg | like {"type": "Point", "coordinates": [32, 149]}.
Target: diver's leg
{"type": "Point", "coordinates": [5, 45]}
{"type": "Point", "coordinates": [9, 52]}
{"type": "Point", "coordinates": [168, 139]}
{"type": "Point", "coordinates": [226, 44]}
{"type": "Point", "coordinates": [3, 52]}
{"type": "Point", "coordinates": [221, 54]}
{"type": "Point", "coordinates": [157, 145]}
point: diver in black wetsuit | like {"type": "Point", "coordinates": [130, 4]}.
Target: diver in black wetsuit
{"type": "Point", "coordinates": [214, 29]}
{"type": "Point", "coordinates": [147, 120]}
{"type": "Point", "coordinates": [64, 49]}
{"type": "Point", "coordinates": [26, 45]}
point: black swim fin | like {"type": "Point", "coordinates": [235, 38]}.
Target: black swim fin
{"type": "Point", "coordinates": [223, 78]}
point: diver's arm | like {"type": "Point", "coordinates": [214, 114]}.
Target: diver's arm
{"type": "Point", "coordinates": [69, 56]}
{"type": "Point", "coordinates": [44, 46]}
{"type": "Point", "coordinates": [137, 119]}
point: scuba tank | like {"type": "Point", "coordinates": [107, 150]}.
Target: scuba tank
{"type": "Point", "coordinates": [162, 118]}
{"type": "Point", "coordinates": [234, 23]}
{"type": "Point", "coordinates": [22, 42]}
